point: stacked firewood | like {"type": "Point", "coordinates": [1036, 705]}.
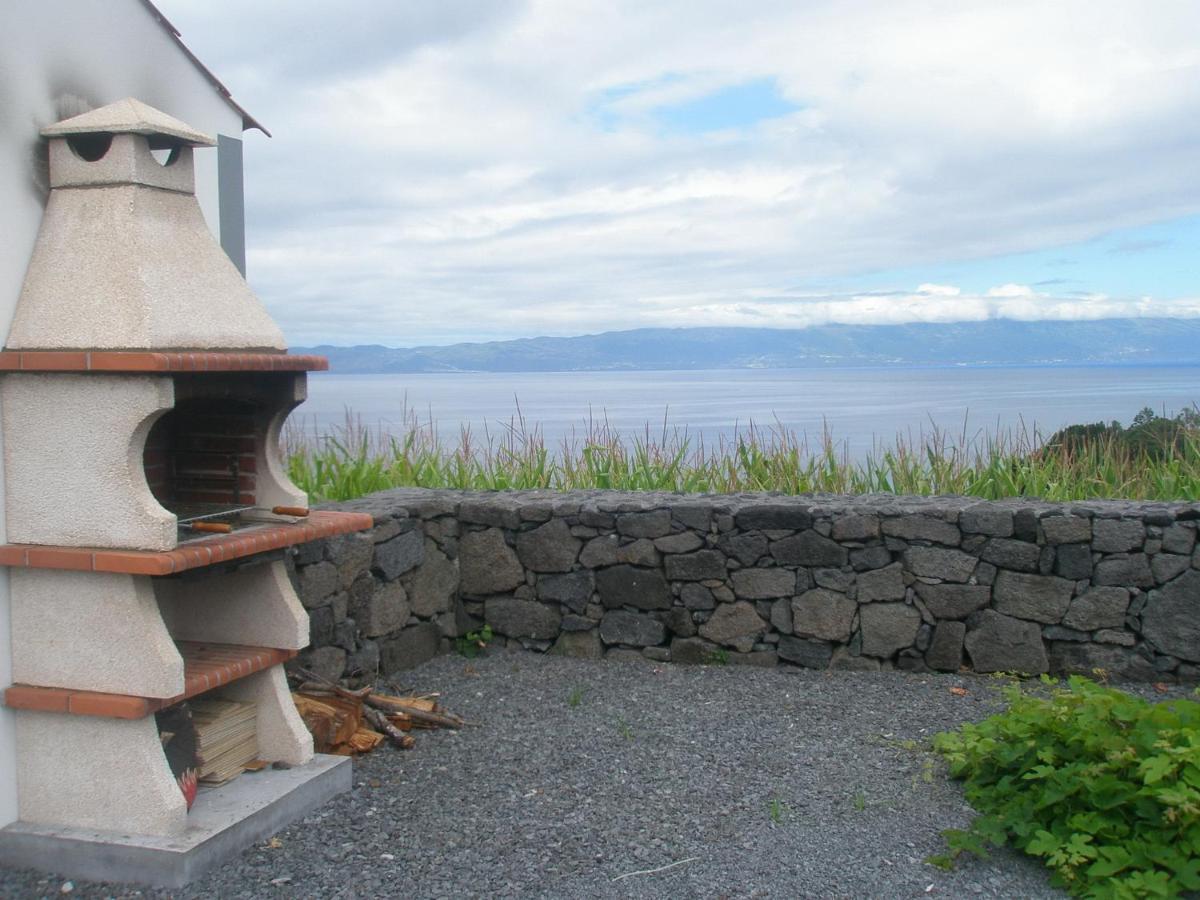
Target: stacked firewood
{"type": "Point", "coordinates": [348, 723]}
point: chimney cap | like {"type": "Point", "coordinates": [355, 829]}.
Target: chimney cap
{"type": "Point", "coordinates": [129, 116]}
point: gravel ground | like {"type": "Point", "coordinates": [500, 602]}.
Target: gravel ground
{"type": "Point", "coordinates": [579, 776]}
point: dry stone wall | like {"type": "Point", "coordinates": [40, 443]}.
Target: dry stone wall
{"type": "Point", "coordinates": [865, 583]}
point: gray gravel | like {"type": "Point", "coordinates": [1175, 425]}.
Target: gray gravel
{"type": "Point", "coordinates": [757, 783]}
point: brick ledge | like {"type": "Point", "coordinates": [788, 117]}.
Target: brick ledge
{"type": "Point", "coordinates": [156, 361]}
{"type": "Point", "coordinates": [191, 555]}
{"type": "Point", "coordinates": [205, 667]}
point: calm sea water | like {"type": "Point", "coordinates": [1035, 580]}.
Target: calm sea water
{"type": "Point", "coordinates": [858, 406]}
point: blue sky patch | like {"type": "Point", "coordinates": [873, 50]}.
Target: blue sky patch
{"type": "Point", "coordinates": [735, 106]}
{"type": "Point", "coordinates": [1157, 260]}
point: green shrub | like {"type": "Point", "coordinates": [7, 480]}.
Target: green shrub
{"type": "Point", "coordinates": [1102, 786]}
{"type": "Point", "coordinates": [1154, 459]}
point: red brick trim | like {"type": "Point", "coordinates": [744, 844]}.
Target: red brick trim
{"type": "Point", "coordinates": [135, 361]}
{"type": "Point", "coordinates": [205, 667]}
{"type": "Point", "coordinates": [191, 555]}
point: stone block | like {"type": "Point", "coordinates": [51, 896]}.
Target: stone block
{"type": "Point", "coordinates": [855, 527]}
{"type": "Point", "coordinates": [548, 548]}
{"type": "Point", "coordinates": [395, 557]}
{"type": "Point", "coordinates": [632, 586]}
{"type": "Point", "coordinates": [600, 552]}
{"type": "Point", "coordinates": [684, 542]}
{"type": "Point", "coordinates": [1040, 598]}
{"type": "Point", "coordinates": [1124, 571]}
{"type": "Point", "coordinates": [986, 518]}
{"type": "Point", "coordinates": [385, 611]}
{"type": "Point", "coordinates": [698, 566]}
{"type": "Point", "coordinates": [803, 652]}
{"type": "Point", "coordinates": [351, 553]}
{"type": "Point", "coordinates": [922, 528]}
{"type": "Point", "coordinates": [1099, 607]}
{"type": "Point", "coordinates": [320, 626]}
{"type": "Point", "coordinates": [573, 622]}
{"type": "Point", "coordinates": [887, 627]}
{"type": "Point", "coordinates": [693, 651]}
{"type": "Point", "coordinates": [808, 549]}
{"type": "Point", "coordinates": [1178, 539]}
{"type": "Point", "coordinates": [363, 664]}
{"type": "Point", "coordinates": [1171, 617]}
{"type": "Point", "coordinates": [747, 549]}
{"type": "Point", "coordinates": [622, 627]}
{"type": "Point", "coordinates": [641, 552]}
{"type": "Point", "coordinates": [763, 584]}
{"type": "Point", "coordinates": [695, 596]}
{"type": "Point", "coordinates": [1165, 566]}
{"type": "Point", "coordinates": [953, 601]}
{"type": "Point", "coordinates": [846, 661]}
{"type": "Point", "coordinates": [573, 590]}
{"type": "Point", "coordinates": [734, 625]}
{"type": "Point", "coordinates": [489, 510]}
{"type": "Point", "coordinates": [1000, 643]}
{"type": "Point", "coordinates": [653, 524]}
{"type": "Point", "coordinates": [327, 663]}
{"type": "Point", "coordinates": [864, 559]}
{"type": "Point", "coordinates": [834, 579]}
{"type": "Point", "coordinates": [1018, 556]}
{"type": "Point", "coordinates": [1067, 529]}
{"type": "Point", "coordinates": [487, 565]}
{"type": "Point", "coordinates": [433, 586]}
{"type": "Point", "coordinates": [937, 562]}
{"type": "Point", "coordinates": [1117, 535]}
{"type": "Point", "coordinates": [410, 648]}
{"type": "Point", "coordinates": [881, 584]}
{"type": "Point", "coordinates": [1073, 561]}
{"type": "Point", "coordinates": [773, 517]}
{"type": "Point", "coordinates": [521, 618]}
{"type": "Point", "coordinates": [823, 614]}
{"type": "Point", "coordinates": [1119, 663]}
{"type": "Point", "coordinates": [693, 515]}
{"type": "Point", "coordinates": [317, 584]}
{"type": "Point", "coordinates": [945, 651]}
{"type": "Point", "coordinates": [679, 621]}
{"type": "Point", "coordinates": [579, 644]}
{"type": "Point", "coordinates": [781, 615]}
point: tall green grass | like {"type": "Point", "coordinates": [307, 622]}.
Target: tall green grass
{"type": "Point", "coordinates": [353, 459]}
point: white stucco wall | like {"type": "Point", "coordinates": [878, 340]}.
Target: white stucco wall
{"type": "Point", "coordinates": [59, 58]}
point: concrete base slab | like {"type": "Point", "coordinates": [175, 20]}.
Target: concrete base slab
{"type": "Point", "coordinates": [224, 821]}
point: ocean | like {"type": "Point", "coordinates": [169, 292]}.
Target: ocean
{"type": "Point", "coordinates": [859, 407]}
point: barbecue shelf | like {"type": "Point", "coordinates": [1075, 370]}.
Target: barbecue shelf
{"type": "Point", "coordinates": [191, 555]}
{"type": "Point", "coordinates": [205, 667]}
{"type": "Point", "coordinates": [156, 361]}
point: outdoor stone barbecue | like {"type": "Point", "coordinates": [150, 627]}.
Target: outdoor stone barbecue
{"type": "Point", "coordinates": [865, 583]}
{"type": "Point", "coordinates": [143, 390]}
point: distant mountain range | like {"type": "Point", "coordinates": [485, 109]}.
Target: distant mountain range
{"type": "Point", "coordinates": [994, 342]}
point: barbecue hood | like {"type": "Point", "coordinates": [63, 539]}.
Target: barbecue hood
{"type": "Point", "coordinates": [124, 260]}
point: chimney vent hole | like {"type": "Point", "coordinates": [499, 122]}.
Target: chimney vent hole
{"type": "Point", "coordinates": [90, 147]}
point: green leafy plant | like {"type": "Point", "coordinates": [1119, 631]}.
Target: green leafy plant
{"type": "Point", "coordinates": [1155, 458]}
{"type": "Point", "coordinates": [473, 643]}
{"type": "Point", "coordinates": [624, 729]}
{"type": "Point", "coordinates": [775, 810]}
{"type": "Point", "coordinates": [575, 697]}
{"type": "Point", "coordinates": [719, 657]}
{"type": "Point", "coordinates": [860, 801]}
{"type": "Point", "coordinates": [1102, 786]}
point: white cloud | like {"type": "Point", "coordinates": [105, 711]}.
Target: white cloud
{"type": "Point", "coordinates": [436, 174]}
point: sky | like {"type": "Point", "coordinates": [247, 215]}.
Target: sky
{"type": "Point", "coordinates": [493, 169]}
